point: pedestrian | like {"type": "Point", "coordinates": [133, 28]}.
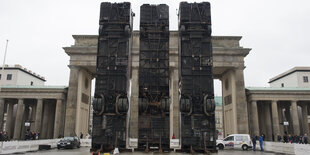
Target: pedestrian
{"type": "Point", "coordinates": [285, 138]}
{"type": "Point", "coordinates": [279, 138]}
{"type": "Point", "coordinates": [290, 138]}
{"type": "Point", "coordinates": [305, 139]}
{"type": "Point", "coordinates": [263, 135]}
{"type": "Point", "coordinates": [34, 135]}
{"type": "Point", "coordinates": [300, 139]}
{"type": "Point", "coordinates": [254, 142]}
{"type": "Point", "coordinates": [261, 141]}
{"type": "Point", "coordinates": [81, 136]}
{"type": "Point", "coordinates": [1, 136]}
{"type": "Point", "coordinates": [5, 136]}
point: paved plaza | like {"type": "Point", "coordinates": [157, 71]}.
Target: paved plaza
{"type": "Point", "coordinates": [85, 151]}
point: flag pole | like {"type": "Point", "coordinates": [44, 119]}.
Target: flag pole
{"type": "Point", "coordinates": [2, 72]}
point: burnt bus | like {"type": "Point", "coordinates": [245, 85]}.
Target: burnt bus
{"type": "Point", "coordinates": [197, 104]}
{"type": "Point", "coordinates": [153, 120]}
{"type": "Point", "coordinates": [110, 102]}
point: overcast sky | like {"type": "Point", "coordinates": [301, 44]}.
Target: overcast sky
{"type": "Point", "coordinates": [277, 31]}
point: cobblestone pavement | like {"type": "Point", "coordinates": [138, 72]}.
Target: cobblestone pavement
{"type": "Point", "coordinates": [85, 151]}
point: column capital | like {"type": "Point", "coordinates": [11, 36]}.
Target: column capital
{"type": "Point", "coordinates": [20, 100]}
{"type": "Point", "coordinates": [294, 101]}
{"type": "Point", "coordinates": [240, 67]}
{"type": "Point", "coordinates": [74, 67]}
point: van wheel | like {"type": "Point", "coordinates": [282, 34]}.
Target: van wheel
{"type": "Point", "coordinates": [221, 147]}
{"type": "Point", "coordinates": [244, 147]}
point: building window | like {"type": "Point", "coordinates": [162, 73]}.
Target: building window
{"type": "Point", "coordinates": [282, 84]}
{"type": "Point", "coordinates": [9, 77]}
{"type": "Point", "coordinates": [217, 120]}
{"type": "Point", "coordinates": [305, 79]}
{"type": "Point", "coordinates": [31, 83]}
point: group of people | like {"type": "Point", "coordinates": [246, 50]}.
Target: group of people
{"type": "Point", "coordinates": [261, 141]}
{"type": "Point", "coordinates": [4, 136]}
{"type": "Point", "coordinates": [32, 135]}
{"type": "Point", "coordinates": [302, 139]}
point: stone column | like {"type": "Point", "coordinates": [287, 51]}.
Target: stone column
{"type": "Point", "coordinates": [255, 118]}
{"type": "Point", "coordinates": [46, 113]}
{"type": "Point", "coordinates": [305, 124]}
{"type": "Point", "coordinates": [295, 119]}
{"type": "Point", "coordinates": [1, 113]}
{"type": "Point", "coordinates": [38, 117]}
{"type": "Point", "coordinates": [281, 120]}
{"type": "Point", "coordinates": [57, 118]}
{"type": "Point", "coordinates": [9, 118]}
{"type": "Point", "coordinates": [241, 104]}
{"type": "Point", "coordinates": [174, 112]}
{"type": "Point", "coordinates": [24, 120]}
{"type": "Point", "coordinates": [288, 119]}
{"type": "Point", "coordinates": [134, 105]}
{"type": "Point", "coordinates": [174, 104]}
{"type": "Point", "coordinates": [71, 106]}
{"type": "Point", "coordinates": [275, 119]}
{"type": "Point", "coordinates": [268, 122]}
{"type": "Point", "coordinates": [33, 117]}
{"type": "Point", "coordinates": [51, 120]}
{"type": "Point", "coordinates": [134, 99]}
{"type": "Point", "coordinates": [18, 120]}
{"type": "Point", "coordinates": [62, 118]}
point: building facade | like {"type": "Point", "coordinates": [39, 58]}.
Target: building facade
{"type": "Point", "coordinates": [295, 77]}
{"type": "Point", "coordinates": [17, 75]}
{"type": "Point", "coordinates": [283, 107]}
{"type": "Point", "coordinates": [27, 105]}
{"type": "Point", "coordinates": [41, 107]}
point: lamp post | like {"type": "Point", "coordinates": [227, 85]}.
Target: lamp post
{"type": "Point", "coordinates": [6, 48]}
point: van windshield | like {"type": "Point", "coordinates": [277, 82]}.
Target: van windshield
{"type": "Point", "coordinates": [230, 138]}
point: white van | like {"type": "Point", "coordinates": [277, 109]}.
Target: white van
{"type": "Point", "coordinates": [234, 141]}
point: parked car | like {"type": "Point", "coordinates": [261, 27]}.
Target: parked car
{"type": "Point", "coordinates": [69, 142]}
{"type": "Point", "coordinates": [235, 141]}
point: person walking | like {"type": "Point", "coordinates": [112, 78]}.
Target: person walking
{"type": "Point", "coordinates": [263, 135]}
{"type": "Point", "coordinates": [305, 139]}
{"type": "Point", "coordinates": [279, 138]}
{"type": "Point", "coordinates": [254, 142]}
{"type": "Point", "coordinates": [290, 138]}
{"type": "Point", "coordinates": [285, 138]}
{"type": "Point", "coordinates": [300, 139]}
{"type": "Point", "coordinates": [261, 141]}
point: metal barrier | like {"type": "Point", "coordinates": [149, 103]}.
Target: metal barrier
{"type": "Point", "coordinates": [25, 146]}
{"type": "Point", "coordinates": [287, 148]}
{"type": "Point", "coordinates": [85, 142]}
{"type": "Point", "coordinates": [33, 145]}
